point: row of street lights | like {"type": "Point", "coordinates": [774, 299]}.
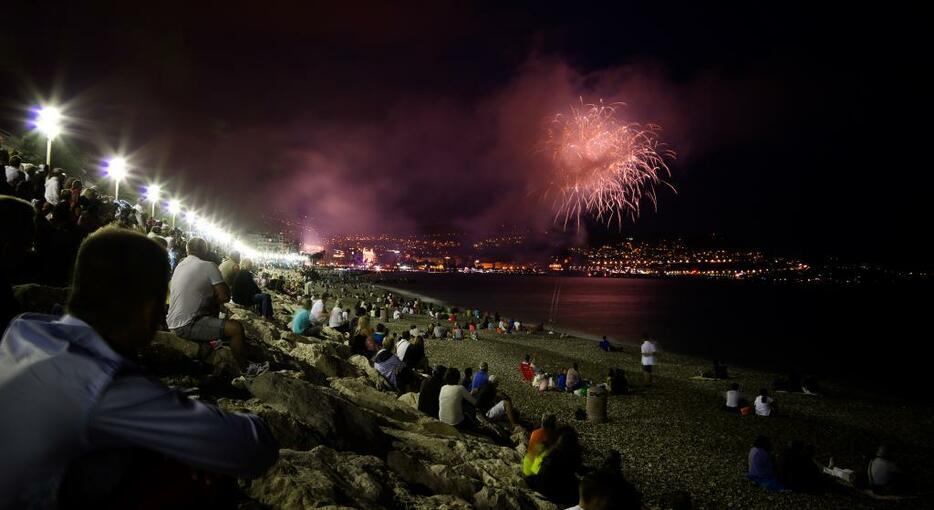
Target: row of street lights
{"type": "Point", "coordinates": [49, 121]}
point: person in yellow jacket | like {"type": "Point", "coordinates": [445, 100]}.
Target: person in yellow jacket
{"type": "Point", "coordinates": [539, 442]}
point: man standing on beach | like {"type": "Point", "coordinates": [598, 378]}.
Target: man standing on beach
{"type": "Point", "coordinates": [648, 358]}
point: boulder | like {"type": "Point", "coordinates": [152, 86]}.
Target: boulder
{"type": "Point", "coordinates": [178, 344]}
{"type": "Point", "coordinates": [323, 477]}
{"type": "Point", "coordinates": [331, 418]}
{"type": "Point", "coordinates": [289, 432]}
{"type": "Point", "coordinates": [410, 399]}
{"type": "Point", "coordinates": [435, 478]}
{"type": "Point", "coordinates": [382, 403]}
{"type": "Point", "coordinates": [322, 356]}
{"type": "Point", "coordinates": [373, 377]}
{"type": "Point", "coordinates": [36, 298]}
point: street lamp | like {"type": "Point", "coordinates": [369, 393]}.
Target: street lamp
{"type": "Point", "coordinates": [49, 123]}
{"type": "Point", "coordinates": [116, 170]}
{"type": "Point", "coordinates": [175, 207]}
{"type": "Point", "coordinates": [152, 194]}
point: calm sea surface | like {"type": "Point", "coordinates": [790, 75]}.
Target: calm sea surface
{"type": "Point", "coordinates": [854, 333]}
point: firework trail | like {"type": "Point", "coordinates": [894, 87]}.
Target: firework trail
{"type": "Point", "coordinates": [603, 166]}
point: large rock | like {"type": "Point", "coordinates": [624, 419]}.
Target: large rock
{"type": "Point", "coordinates": [321, 478]}
{"type": "Point", "coordinates": [382, 403]}
{"type": "Point", "coordinates": [178, 344]}
{"type": "Point", "coordinates": [288, 431]}
{"type": "Point", "coordinates": [410, 399]}
{"type": "Point", "coordinates": [433, 478]}
{"type": "Point", "coordinates": [333, 419]}
{"type": "Point", "coordinates": [373, 377]}
{"type": "Point", "coordinates": [323, 357]}
{"type": "Point", "coordinates": [36, 298]}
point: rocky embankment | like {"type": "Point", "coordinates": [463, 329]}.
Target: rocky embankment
{"type": "Point", "coordinates": [347, 441]}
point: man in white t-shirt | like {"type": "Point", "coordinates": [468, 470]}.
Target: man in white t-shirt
{"type": "Point", "coordinates": [402, 346]}
{"type": "Point", "coordinates": [309, 288]}
{"type": "Point", "coordinates": [317, 309]}
{"type": "Point", "coordinates": [196, 292]}
{"type": "Point", "coordinates": [734, 399]}
{"type": "Point", "coordinates": [336, 320]}
{"type": "Point", "coordinates": [396, 315]}
{"type": "Point", "coordinates": [648, 358]}
{"type": "Point", "coordinates": [764, 404]}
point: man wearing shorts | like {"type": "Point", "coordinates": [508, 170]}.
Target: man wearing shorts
{"type": "Point", "coordinates": [648, 358]}
{"type": "Point", "coordinates": [196, 292]}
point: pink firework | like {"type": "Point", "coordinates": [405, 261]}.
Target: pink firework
{"type": "Point", "coordinates": [602, 165]}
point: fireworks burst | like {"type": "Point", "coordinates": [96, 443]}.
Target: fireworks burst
{"type": "Point", "coordinates": [604, 166]}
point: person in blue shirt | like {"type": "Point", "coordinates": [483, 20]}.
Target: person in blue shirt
{"type": "Point", "coordinates": [82, 404]}
{"type": "Point", "coordinates": [761, 467]}
{"type": "Point", "coordinates": [605, 345]}
{"type": "Point", "coordinates": [301, 320]}
{"type": "Point", "coordinates": [480, 378]}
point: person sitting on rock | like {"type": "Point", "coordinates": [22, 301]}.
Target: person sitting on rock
{"type": "Point", "coordinates": [451, 401]}
{"type": "Point", "coordinates": [246, 293]}
{"type": "Point", "coordinates": [17, 234]}
{"type": "Point", "coordinates": [336, 319]}
{"type": "Point", "coordinates": [607, 489]}
{"type": "Point", "coordinates": [414, 354]}
{"type": "Point", "coordinates": [403, 344]}
{"type": "Point", "coordinates": [317, 309]}
{"type": "Point", "coordinates": [301, 320]}
{"type": "Point", "coordinates": [502, 410]}
{"type": "Point", "coordinates": [480, 378]}
{"type": "Point", "coordinates": [761, 466]}
{"type": "Point", "coordinates": [539, 441]}
{"type": "Point", "coordinates": [557, 477]}
{"type": "Point", "coordinates": [196, 292]}
{"type": "Point", "coordinates": [84, 408]}
{"type": "Point", "coordinates": [430, 391]}
{"type": "Point", "coordinates": [387, 363]}
{"type": "Point", "coordinates": [467, 380]}
{"type": "Point", "coordinates": [229, 267]}
{"type": "Point", "coordinates": [379, 334]}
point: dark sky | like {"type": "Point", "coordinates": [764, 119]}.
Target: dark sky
{"type": "Point", "coordinates": [800, 129]}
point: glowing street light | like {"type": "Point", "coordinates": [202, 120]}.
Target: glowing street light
{"type": "Point", "coordinates": [175, 207]}
{"type": "Point", "coordinates": [152, 194]}
{"type": "Point", "coordinates": [116, 170]}
{"type": "Point", "coordinates": [49, 123]}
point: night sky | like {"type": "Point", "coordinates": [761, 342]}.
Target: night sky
{"type": "Point", "coordinates": [797, 130]}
